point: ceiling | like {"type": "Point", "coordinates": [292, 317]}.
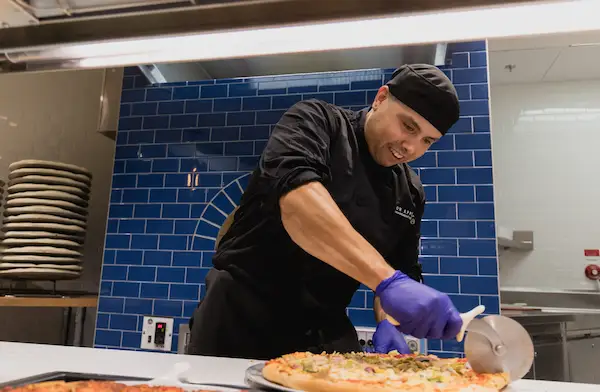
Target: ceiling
{"type": "Point", "coordinates": [546, 58]}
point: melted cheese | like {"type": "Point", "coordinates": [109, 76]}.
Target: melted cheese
{"type": "Point", "coordinates": [389, 370]}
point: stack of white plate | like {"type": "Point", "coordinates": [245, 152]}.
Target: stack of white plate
{"type": "Point", "coordinates": [1, 193]}
{"type": "Point", "coordinates": [45, 220]}
{"type": "Point", "coordinates": [2, 183]}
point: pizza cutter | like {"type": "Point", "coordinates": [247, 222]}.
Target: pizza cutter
{"type": "Point", "coordinates": [494, 344]}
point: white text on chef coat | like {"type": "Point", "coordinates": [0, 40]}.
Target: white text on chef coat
{"type": "Point", "coordinates": [408, 214]}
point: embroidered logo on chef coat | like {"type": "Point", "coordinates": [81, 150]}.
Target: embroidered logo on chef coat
{"type": "Point", "coordinates": [408, 214]}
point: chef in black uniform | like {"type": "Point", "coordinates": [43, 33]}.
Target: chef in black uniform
{"type": "Point", "coordinates": [332, 204]}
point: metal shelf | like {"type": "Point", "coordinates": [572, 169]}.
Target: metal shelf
{"type": "Point", "coordinates": [521, 240]}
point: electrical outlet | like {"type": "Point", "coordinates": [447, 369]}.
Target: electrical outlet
{"type": "Point", "coordinates": [365, 338]}
{"type": "Point", "coordinates": [157, 333]}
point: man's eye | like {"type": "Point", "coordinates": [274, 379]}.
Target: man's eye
{"type": "Point", "coordinates": [409, 128]}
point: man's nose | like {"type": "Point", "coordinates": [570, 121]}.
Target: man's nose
{"type": "Point", "coordinates": [408, 148]}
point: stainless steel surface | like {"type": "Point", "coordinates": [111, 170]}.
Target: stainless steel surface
{"type": "Point", "coordinates": [553, 299]}
{"type": "Point", "coordinates": [484, 329]}
{"type": "Point", "coordinates": [14, 15]}
{"type": "Point", "coordinates": [539, 317]}
{"type": "Point", "coordinates": [565, 345]}
{"type": "Point", "coordinates": [110, 100]}
{"type": "Point", "coordinates": [21, 46]}
{"type": "Point", "coordinates": [44, 9]}
{"type": "Point", "coordinates": [183, 338]}
{"type": "Point", "coordinates": [308, 62]}
{"type": "Point", "coordinates": [521, 240]}
{"type": "Point", "coordinates": [584, 356]}
{"type": "Point", "coordinates": [267, 65]}
{"type": "Point", "coordinates": [217, 16]}
{"type": "Point", "coordinates": [255, 379]}
{"type": "Point", "coordinates": [503, 347]}
{"type": "Point", "coordinates": [565, 352]}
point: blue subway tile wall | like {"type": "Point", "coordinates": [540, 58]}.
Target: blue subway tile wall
{"type": "Point", "coordinates": [182, 160]}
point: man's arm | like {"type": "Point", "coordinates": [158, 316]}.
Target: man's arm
{"type": "Point", "coordinates": [406, 255]}
{"type": "Point", "coordinates": [292, 170]}
{"type": "Point", "coordinates": [314, 222]}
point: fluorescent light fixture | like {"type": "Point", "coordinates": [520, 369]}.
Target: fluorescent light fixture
{"type": "Point", "coordinates": [448, 26]}
{"type": "Point", "coordinates": [585, 44]}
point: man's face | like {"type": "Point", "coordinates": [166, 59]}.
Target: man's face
{"type": "Point", "coordinates": [395, 133]}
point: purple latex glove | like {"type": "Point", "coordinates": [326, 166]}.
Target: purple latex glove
{"type": "Point", "coordinates": [387, 338]}
{"type": "Point", "coordinates": [422, 312]}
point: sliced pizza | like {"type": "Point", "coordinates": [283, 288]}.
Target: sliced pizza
{"type": "Point", "coordinates": [378, 373]}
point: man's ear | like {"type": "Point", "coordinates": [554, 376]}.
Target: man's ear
{"type": "Point", "coordinates": [382, 95]}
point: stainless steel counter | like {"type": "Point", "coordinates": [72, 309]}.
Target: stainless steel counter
{"type": "Point", "coordinates": [23, 360]}
{"type": "Point", "coordinates": [565, 329]}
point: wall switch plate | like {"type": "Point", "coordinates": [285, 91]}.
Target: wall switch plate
{"type": "Point", "coordinates": [157, 333]}
{"type": "Point", "coordinates": [365, 338]}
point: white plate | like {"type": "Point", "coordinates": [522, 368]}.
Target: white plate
{"type": "Point", "coordinates": [43, 218]}
{"type": "Point", "coordinates": [41, 251]}
{"type": "Point", "coordinates": [20, 188]}
{"type": "Point", "coordinates": [50, 180]}
{"type": "Point", "coordinates": [43, 234]}
{"type": "Point", "coordinates": [22, 202]}
{"type": "Point", "coordinates": [34, 164]}
{"type": "Point", "coordinates": [70, 229]}
{"type": "Point", "coordinates": [35, 259]}
{"type": "Point", "coordinates": [20, 242]}
{"type": "Point", "coordinates": [5, 266]}
{"type": "Point", "coordinates": [48, 172]}
{"type": "Point", "coordinates": [51, 195]}
{"type": "Point", "coordinates": [39, 274]}
{"type": "Point", "coordinates": [43, 209]}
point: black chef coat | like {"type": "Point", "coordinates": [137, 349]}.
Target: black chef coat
{"type": "Point", "coordinates": [265, 285]}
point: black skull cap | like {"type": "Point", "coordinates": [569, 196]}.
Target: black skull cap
{"type": "Point", "coordinates": [428, 91]}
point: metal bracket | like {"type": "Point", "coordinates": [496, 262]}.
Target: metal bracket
{"type": "Point", "coordinates": [521, 240]}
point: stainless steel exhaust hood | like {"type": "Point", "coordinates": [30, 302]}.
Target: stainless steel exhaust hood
{"type": "Point", "coordinates": [52, 16]}
{"type": "Point", "coordinates": [297, 63]}
{"type": "Point", "coordinates": [38, 25]}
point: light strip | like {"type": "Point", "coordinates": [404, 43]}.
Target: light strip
{"type": "Point", "coordinates": [585, 44]}
{"type": "Point", "coordinates": [449, 26]}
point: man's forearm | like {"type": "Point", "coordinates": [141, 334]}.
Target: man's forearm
{"type": "Point", "coordinates": [314, 222]}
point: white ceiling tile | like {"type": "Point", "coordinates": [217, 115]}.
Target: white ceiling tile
{"type": "Point", "coordinates": [576, 63]}
{"type": "Point", "coordinates": [530, 65]}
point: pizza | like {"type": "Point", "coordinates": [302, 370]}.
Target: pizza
{"type": "Point", "coordinates": [93, 386]}
{"type": "Point", "coordinates": [378, 373]}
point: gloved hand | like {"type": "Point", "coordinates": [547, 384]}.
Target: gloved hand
{"type": "Point", "coordinates": [422, 312]}
{"type": "Point", "coordinates": [387, 338]}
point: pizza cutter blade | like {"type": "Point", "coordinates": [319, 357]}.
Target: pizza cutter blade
{"type": "Point", "coordinates": [499, 344]}
{"type": "Point", "coordinates": [494, 343]}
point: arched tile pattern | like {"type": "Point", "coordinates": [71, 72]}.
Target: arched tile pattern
{"type": "Point", "coordinates": [216, 211]}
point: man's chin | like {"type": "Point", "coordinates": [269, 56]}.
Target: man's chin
{"type": "Point", "coordinates": [387, 164]}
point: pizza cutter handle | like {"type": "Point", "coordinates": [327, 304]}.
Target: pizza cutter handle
{"type": "Point", "coordinates": [466, 319]}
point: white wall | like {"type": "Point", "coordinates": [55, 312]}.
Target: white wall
{"type": "Point", "coordinates": [54, 116]}
{"type": "Point", "coordinates": [545, 143]}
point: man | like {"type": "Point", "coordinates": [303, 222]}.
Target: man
{"type": "Point", "coordinates": [332, 204]}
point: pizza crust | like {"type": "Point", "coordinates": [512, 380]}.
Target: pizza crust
{"type": "Point", "coordinates": [277, 373]}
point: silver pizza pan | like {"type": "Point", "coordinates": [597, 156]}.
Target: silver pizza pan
{"type": "Point", "coordinates": [255, 380]}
